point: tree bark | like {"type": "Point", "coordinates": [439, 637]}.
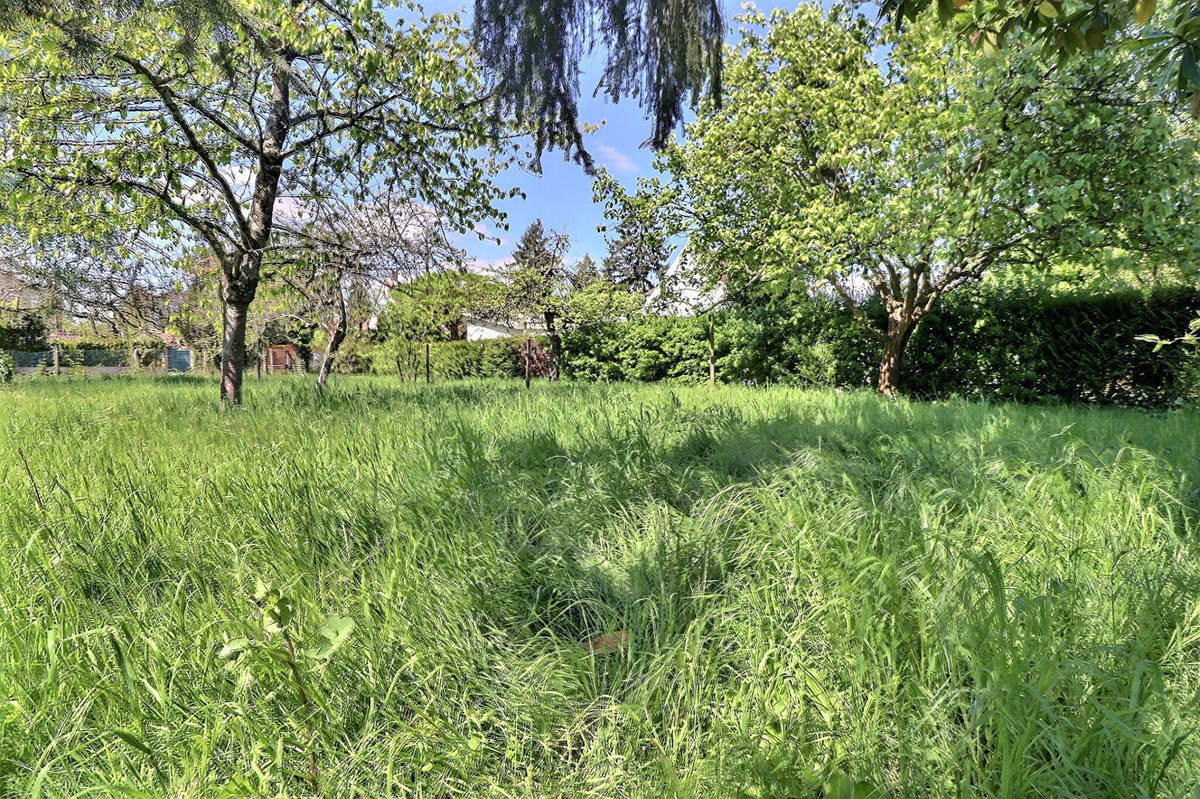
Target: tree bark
{"type": "Point", "coordinates": [233, 352]}
{"type": "Point", "coordinates": [335, 342]}
{"type": "Point", "coordinates": [428, 375]}
{"type": "Point", "coordinates": [555, 348]}
{"type": "Point", "coordinates": [898, 333]}
{"type": "Point", "coordinates": [712, 353]}
{"type": "Point", "coordinates": [528, 341]}
{"type": "Point", "coordinates": [240, 273]}
{"type": "Point", "coordinates": [331, 351]}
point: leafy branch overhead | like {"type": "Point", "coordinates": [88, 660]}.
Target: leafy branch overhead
{"type": "Point", "coordinates": [1169, 34]}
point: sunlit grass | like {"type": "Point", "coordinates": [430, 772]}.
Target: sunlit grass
{"type": "Point", "coordinates": [803, 593]}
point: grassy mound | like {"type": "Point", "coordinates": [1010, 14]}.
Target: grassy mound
{"type": "Point", "coordinates": [604, 591]}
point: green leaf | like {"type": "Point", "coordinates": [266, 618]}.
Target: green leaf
{"type": "Point", "coordinates": [1048, 9]}
{"type": "Point", "coordinates": [233, 648]}
{"type": "Point", "coordinates": [336, 631]}
{"type": "Point", "coordinates": [280, 655]}
{"type": "Point", "coordinates": [279, 614]}
{"type": "Point", "coordinates": [1144, 10]}
{"type": "Point", "coordinates": [132, 739]}
{"type": "Point", "coordinates": [991, 45]}
{"type": "Point", "coordinates": [1188, 67]}
{"type": "Point", "coordinates": [842, 786]}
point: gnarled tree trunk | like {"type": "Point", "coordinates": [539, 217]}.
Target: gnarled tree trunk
{"type": "Point", "coordinates": [894, 343]}
{"type": "Point", "coordinates": [331, 351]}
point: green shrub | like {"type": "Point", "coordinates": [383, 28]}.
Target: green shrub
{"type": "Point", "coordinates": [1016, 345]}
{"type": "Point", "coordinates": [647, 348]}
{"type": "Point", "coordinates": [140, 352]}
{"type": "Point", "coordinates": [355, 355]}
{"type": "Point", "coordinates": [802, 342]}
{"type": "Point", "coordinates": [457, 360]}
{"type": "Point", "coordinates": [8, 367]}
{"type": "Point", "coordinates": [794, 340]}
{"type": "Point", "coordinates": [985, 343]}
{"type": "Point", "coordinates": [23, 330]}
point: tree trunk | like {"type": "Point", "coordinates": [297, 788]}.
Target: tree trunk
{"type": "Point", "coordinates": [331, 351]}
{"type": "Point", "coordinates": [555, 348]}
{"type": "Point", "coordinates": [527, 343]}
{"type": "Point", "coordinates": [240, 273]}
{"type": "Point", "coordinates": [428, 376]}
{"type": "Point", "coordinates": [233, 353]}
{"type": "Point", "coordinates": [335, 343]}
{"type": "Point", "coordinates": [898, 333]}
{"type": "Point", "coordinates": [712, 353]}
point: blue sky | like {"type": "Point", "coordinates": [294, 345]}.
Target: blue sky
{"type": "Point", "coordinates": [562, 195]}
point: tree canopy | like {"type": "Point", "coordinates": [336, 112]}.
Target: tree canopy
{"type": "Point", "coordinates": [124, 117]}
{"type": "Point", "coordinates": [907, 182]}
{"type": "Point", "coordinates": [637, 246]}
{"type": "Point", "coordinates": [1169, 35]}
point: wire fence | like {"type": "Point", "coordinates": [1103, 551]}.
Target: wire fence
{"type": "Point", "coordinates": [31, 360]}
{"type": "Point", "coordinates": [110, 360]}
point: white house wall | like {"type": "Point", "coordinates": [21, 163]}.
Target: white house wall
{"type": "Point", "coordinates": [483, 331]}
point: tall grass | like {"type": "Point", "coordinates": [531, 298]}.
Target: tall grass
{"type": "Point", "coordinates": [390, 590]}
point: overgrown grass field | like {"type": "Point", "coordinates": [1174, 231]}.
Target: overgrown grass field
{"type": "Point", "coordinates": [592, 591]}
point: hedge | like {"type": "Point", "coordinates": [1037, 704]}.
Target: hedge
{"type": "Point", "coordinates": [1072, 348]}
{"type": "Point", "coordinates": [457, 360]}
{"type": "Point", "coordinates": [22, 330]}
{"type": "Point", "coordinates": [648, 348]}
{"type": "Point", "coordinates": [982, 343]}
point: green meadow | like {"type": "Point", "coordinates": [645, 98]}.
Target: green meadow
{"type": "Point", "coordinates": [474, 590]}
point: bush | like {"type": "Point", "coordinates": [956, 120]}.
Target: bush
{"type": "Point", "coordinates": [775, 340]}
{"type": "Point", "coordinates": [8, 367]}
{"type": "Point", "coordinates": [354, 356]}
{"type": "Point", "coordinates": [22, 331]}
{"type": "Point", "coordinates": [458, 360]}
{"type": "Point", "coordinates": [1016, 345]}
{"type": "Point", "coordinates": [648, 348]}
{"type": "Point", "coordinates": [92, 350]}
{"type": "Point", "coordinates": [795, 340]}
{"type": "Point", "coordinates": [986, 343]}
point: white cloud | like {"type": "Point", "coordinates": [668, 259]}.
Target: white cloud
{"type": "Point", "coordinates": [615, 158]}
{"type": "Point", "coordinates": [481, 266]}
